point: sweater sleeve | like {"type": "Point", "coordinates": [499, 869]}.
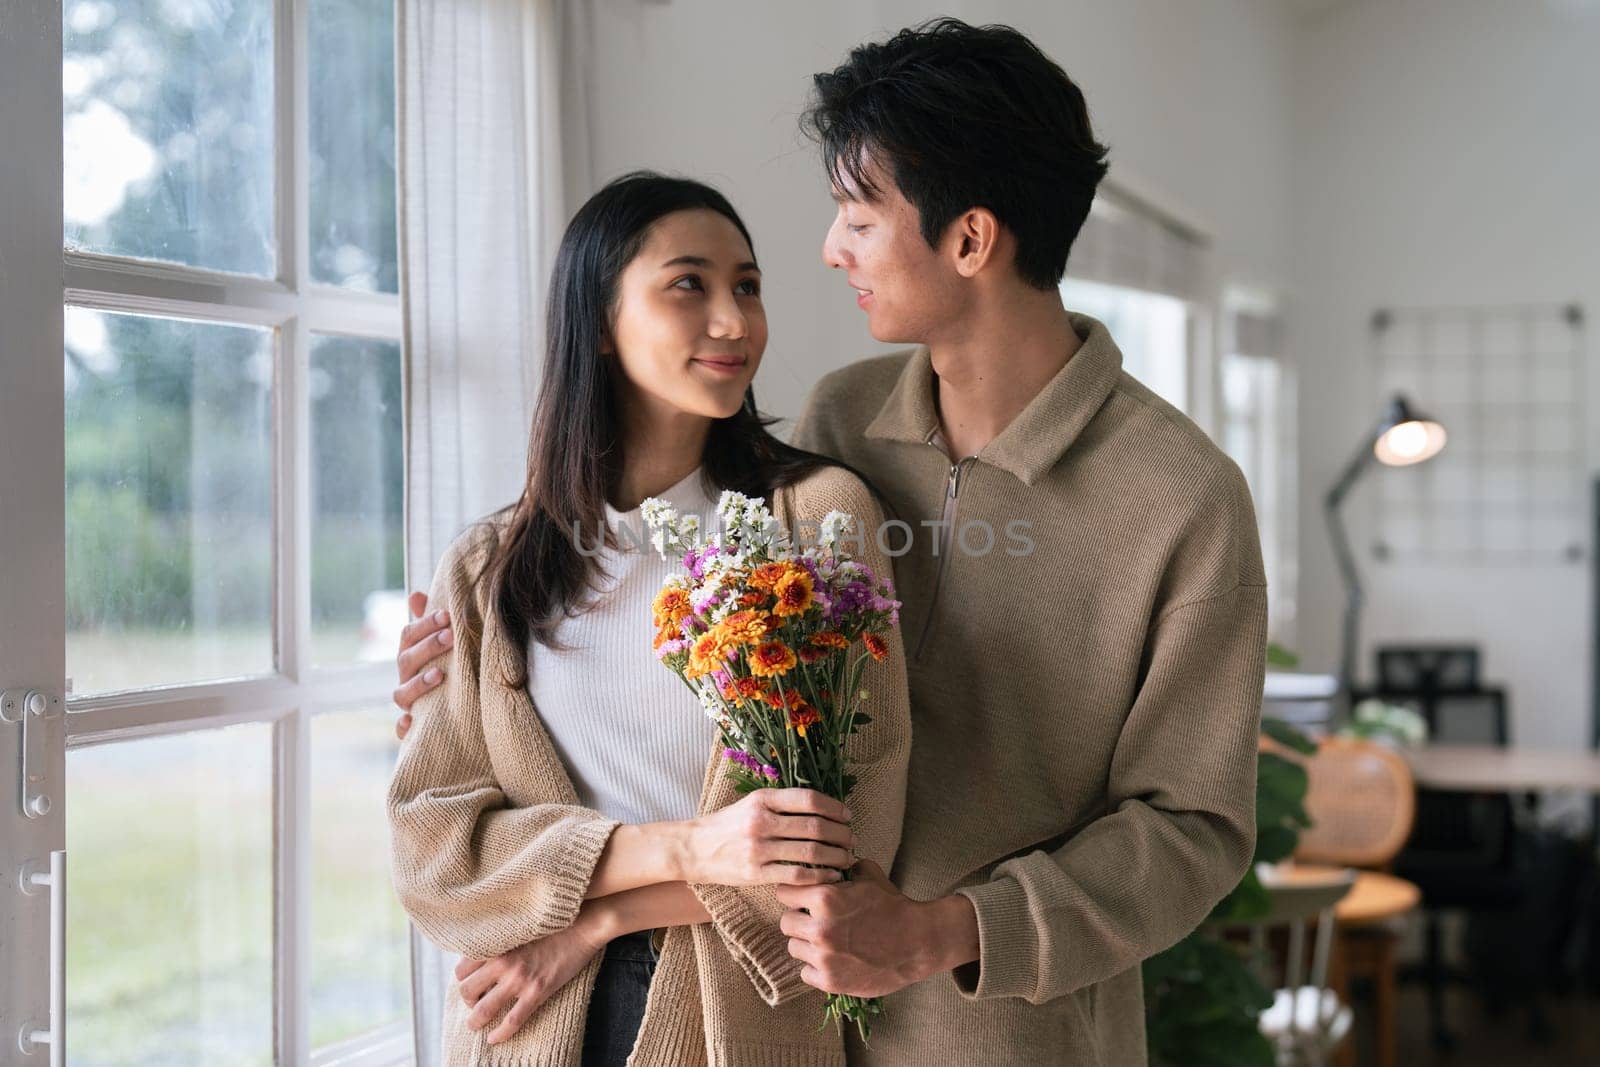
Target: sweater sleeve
{"type": "Point", "coordinates": [1180, 830]}
{"type": "Point", "coordinates": [746, 918]}
{"type": "Point", "coordinates": [478, 875]}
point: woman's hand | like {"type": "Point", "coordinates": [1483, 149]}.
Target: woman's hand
{"type": "Point", "coordinates": [527, 976]}
{"type": "Point", "coordinates": [423, 639]}
{"type": "Point", "coordinates": [766, 835]}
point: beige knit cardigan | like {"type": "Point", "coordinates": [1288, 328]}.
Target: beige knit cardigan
{"type": "Point", "coordinates": [491, 849]}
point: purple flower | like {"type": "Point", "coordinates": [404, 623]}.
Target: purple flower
{"type": "Point", "coordinates": [744, 759]}
{"type": "Point", "coordinates": [751, 764]}
{"type": "Point", "coordinates": [694, 560]}
{"type": "Point", "coordinates": [850, 599]}
{"type": "Point", "coordinates": [811, 568]}
{"type": "Point", "coordinates": [670, 648]}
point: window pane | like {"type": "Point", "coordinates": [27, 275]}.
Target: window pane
{"type": "Point", "coordinates": [169, 915]}
{"type": "Point", "coordinates": [1151, 329]}
{"type": "Point", "coordinates": [168, 130]}
{"type": "Point", "coordinates": [353, 144]}
{"type": "Point", "coordinates": [169, 501]}
{"type": "Point", "coordinates": [360, 956]}
{"type": "Point", "coordinates": [357, 551]}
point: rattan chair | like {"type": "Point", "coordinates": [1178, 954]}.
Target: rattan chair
{"type": "Point", "coordinates": [1362, 803]}
{"type": "Point", "coordinates": [1361, 799]}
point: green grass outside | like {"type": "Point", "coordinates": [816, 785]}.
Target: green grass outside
{"type": "Point", "coordinates": [170, 926]}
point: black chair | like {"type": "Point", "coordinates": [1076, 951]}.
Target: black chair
{"type": "Point", "coordinates": [1427, 668]}
{"type": "Point", "coordinates": [1463, 849]}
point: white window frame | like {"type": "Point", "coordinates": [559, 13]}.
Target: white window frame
{"type": "Point", "coordinates": [1148, 240]}
{"type": "Point", "coordinates": [1272, 433]}
{"type": "Point", "coordinates": [295, 307]}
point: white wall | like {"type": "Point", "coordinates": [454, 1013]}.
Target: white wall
{"type": "Point", "coordinates": [1192, 98]}
{"type": "Point", "coordinates": [1446, 152]}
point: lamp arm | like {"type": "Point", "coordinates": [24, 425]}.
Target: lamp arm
{"type": "Point", "coordinates": [1346, 561]}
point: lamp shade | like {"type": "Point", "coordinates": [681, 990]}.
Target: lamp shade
{"type": "Point", "coordinates": [1406, 437]}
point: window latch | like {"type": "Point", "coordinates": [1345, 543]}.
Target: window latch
{"type": "Point", "coordinates": [35, 712]}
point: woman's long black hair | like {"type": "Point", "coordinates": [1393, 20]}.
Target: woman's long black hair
{"type": "Point", "coordinates": [536, 575]}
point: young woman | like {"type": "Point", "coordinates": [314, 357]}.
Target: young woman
{"type": "Point", "coordinates": [559, 815]}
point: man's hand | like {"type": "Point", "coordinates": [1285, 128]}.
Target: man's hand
{"type": "Point", "coordinates": [765, 836]}
{"type": "Point", "coordinates": [525, 977]}
{"type": "Point", "coordinates": [423, 638]}
{"type": "Point", "coordinates": [865, 938]}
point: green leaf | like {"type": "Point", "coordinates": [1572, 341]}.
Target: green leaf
{"type": "Point", "coordinates": [1280, 791]}
{"type": "Point", "coordinates": [1288, 736]}
{"type": "Point", "coordinates": [1202, 1004]}
{"type": "Point", "coordinates": [1275, 843]}
{"type": "Point", "coordinates": [1249, 900]}
{"type": "Point", "coordinates": [1278, 656]}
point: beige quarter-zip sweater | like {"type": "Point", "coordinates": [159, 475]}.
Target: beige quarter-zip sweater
{"type": "Point", "coordinates": [491, 848]}
{"type": "Point", "coordinates": [1086, 696]}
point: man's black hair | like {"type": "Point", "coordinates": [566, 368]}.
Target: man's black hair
{"type": "Point", "coordinates": [961, 117]}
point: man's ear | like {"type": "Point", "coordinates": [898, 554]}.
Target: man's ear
{"type": "Point", "coordinates": [975, 236]}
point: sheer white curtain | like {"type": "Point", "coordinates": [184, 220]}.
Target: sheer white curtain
{"type": "Point", "coordinates": [493, 151]}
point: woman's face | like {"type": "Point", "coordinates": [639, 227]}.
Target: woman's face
{"type": "Point", "coordinates": [689, 327]}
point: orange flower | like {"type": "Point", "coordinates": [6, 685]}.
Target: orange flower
{"type": "Point", "coordinates": [772, 659]}
{"type": "Point", "coordinates": [745, 627]}
{"type": "Point", "coordinates": [766, 576]}
{"type": "Point", "coordinates": [752, 600]}
{"type": "Point", "coordinates": [877, 646]}
{"type": "Point", "coordinates": [802, 716]}
{"type": "Point", "coordinates": [709, 653]}
{"type": "Point", "coordinates": [810, 653]}
{"type": "Point", "coordinates": [671, 606]}
{"type": "Point", "coordinates": [788, 699]}
{"type": "Point", "coordinates": [830, 639]}
{"type": "Point", "coordinates": [749, 688]}
{"type": "Point", "coordinates": [794, 592]}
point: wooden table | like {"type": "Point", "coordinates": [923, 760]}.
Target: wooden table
{"type": "Point", "coordinates": [1374, 898]}
{"type": "Point", "coordinates": [1513, 769]}
{"type": "Point", "coordinates": [1363, 945]}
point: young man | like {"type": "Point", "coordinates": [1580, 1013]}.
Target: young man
{"type": "Point", "coordinates": [1085, 611]}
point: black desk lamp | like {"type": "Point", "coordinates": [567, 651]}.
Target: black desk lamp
{"type": "Point", "coordinates": [1401, 438]}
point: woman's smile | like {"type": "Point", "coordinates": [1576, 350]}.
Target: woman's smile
{"type": "Point", "coordinates": [724, 366]}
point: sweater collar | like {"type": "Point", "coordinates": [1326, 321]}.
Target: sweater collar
{"type": "Point", "coordinates": [1041, 433]}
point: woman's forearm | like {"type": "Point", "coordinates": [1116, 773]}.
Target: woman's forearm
{"type": "Point", "coordinates": [662, 904]}
{"type": "Point", "coordinates": [640, 855]}
{"type": "Point", "coordinates": [759, 838]}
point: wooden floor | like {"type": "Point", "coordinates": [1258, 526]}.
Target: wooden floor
{"type": "Point", "coordinates": [1483, 1041]}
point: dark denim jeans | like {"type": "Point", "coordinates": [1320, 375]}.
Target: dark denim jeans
{"type": "Point", "coordinates": [617, 1007]}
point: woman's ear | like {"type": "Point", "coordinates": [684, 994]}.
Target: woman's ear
{"type": "Point", "coordinates": [608, 347]}
{"type": "Point", "coordinates": [975, 233]}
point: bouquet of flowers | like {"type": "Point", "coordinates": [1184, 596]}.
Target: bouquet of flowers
{"type": "Point", "coordinates": [766, 639]}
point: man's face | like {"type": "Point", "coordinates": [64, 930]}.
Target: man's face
{"type": "Point", "coordinates": [908, 290]}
